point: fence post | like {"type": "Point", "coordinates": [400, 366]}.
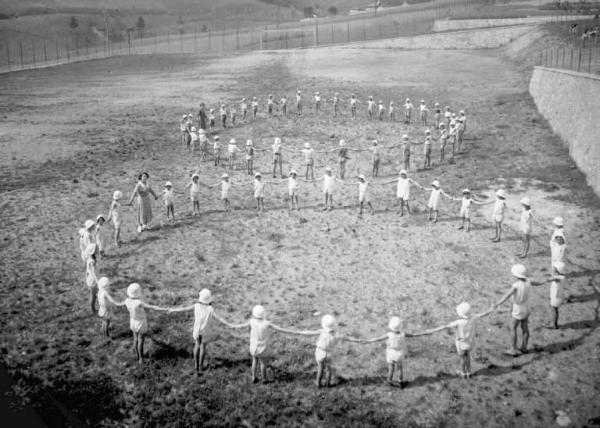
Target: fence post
{"type": "Point", "coordinates": [57, 53]}
{"type": "Point", "coordinates": [316, 32]}
{"type": "Point", "coordinates": [579, 61]}
{"type": "Point", "coordinates": [571, 66]}
{"type": "Point", "coordinates": [129, 43]}
{"type": "Point", "coordinates": [181, 40]}
{"type": "Point", "coordinates": [286, 40]}
{"type": "Point", "coordinates": [541, 57]}
{"type": "Point", "coordinates": [302, 39]}
{"type": "Point", "coordinates": [237, 37]}
{"type": "Point", "coordinates": [364, 30]}
{"type": "Point", "coordinates": [590, 59]}
{"type": "Point", "coordinates": [563, 58]}
{"type": "Point", "coordinates": [76, 45]}
{"type": "Point", "coordinates": [551, 57]}
{"type": "Point", "coordinates": [33, 51]}
{"type": "Point", "coordinates": [556, 58]}
{"type": "Point", "coordinates": [195, 38]}
{"type": "Point", "coordinates": [8, 56]}
{"type": "Point", "coordinates": [21, 49]}
{"type": "Point", "coordinates": [45, 52]}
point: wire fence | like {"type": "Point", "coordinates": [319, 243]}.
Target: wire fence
{"type": "Point", "coordinates": [37, 52]}
{"type": "Point", "coordinates": [585, 60]}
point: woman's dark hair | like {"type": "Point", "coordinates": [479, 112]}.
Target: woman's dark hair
{"type": "Point", "coordinates": [142, 174]}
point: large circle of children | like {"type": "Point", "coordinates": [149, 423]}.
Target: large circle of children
{"type": "Point", "coordinates": [451, 130]}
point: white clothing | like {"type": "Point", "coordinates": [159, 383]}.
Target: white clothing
{"type": "Point", "coordinates": [395, 347]}
{"type": "Point", "coordinates": [99, 238]}
{"type": "Point", "coordinates": [465, 333]}
{"type": "Point", "coordinates": [363, 195]}
{"type": "Point", "coordinates": [309, 156]}
{"type": "Point", "coordinates": [558, 231]}
{"type": "Point", "coordinates": [403, 190]}
{"type": "Point", "coordinates": [557, 252]}
{"type": "Point", "coordinates": [225, 186]}
{"type": "Point", "coordinates": [259, 336]}
{"type": "Point", "coordinates": [85, 239]}
{"type": "Point", "coordinates": [203, 322]}
{"type": "Point", "coordinates": [370, 105]}
{"type": "Point", "coordinates": [328, 184]}
{"type": "Point", "coordinates": [556, 293]}
{"type": "Point", "coordinates": [168, 197]}
{"type": "Point", "coordinates": [526, 222]}
{"type": "Point", "coordinates": [195, 192]}
{"type": "Point", "coordinates": [90, 273]}
{"type": "Point", "coordinates": [434, 199]}
{"type": "Point", "coordinates": [520, 298]}
{"type": "Point", "coordinates": [325, 344]}
{"type": "Point", "coordinates": [138, 323]}
{"type": "Point", "coordinates": [104, 305]}
{"type": "Point", "coordinates": [499, 207]}
{"type": "Point", "coordinates": [292, 186]}
{"type": "Point", "coordinates": [259, 188]}
{"type": "Point", "coordinates": [465, 207]}
{"type": "Point", "coordinates": [115, 214]}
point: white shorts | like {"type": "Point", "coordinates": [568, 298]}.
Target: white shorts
{"type": "Point", "coordinates": [465, 213]}
{"type": "Point", "coordinates": [138, 326]}
{"type": "Point", "coordinates": [321, 355]}
{"type": "Point", "coordinates": [520, 312]}
{"type": "Point", "coordinates": [393, 355]}
{"type": "Point", "coordinates": [499, 218]}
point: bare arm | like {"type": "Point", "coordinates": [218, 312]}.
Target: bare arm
{"type": "Point", "coordinates": [113, 301]}
{"type": "Point", "coordinates": [375, 339]}
{"type": "Point", "coordinates": [222, 321]}
{"type": "Point", "coordinates": [242, 325]}
{"type": "Point", "coordinates": [154, 307]}
{"type": "Point", "coordinates": [133, 195]}
{"type": "Point", "coordinates": [433, 330]}
{"type": "Point", "coordinates": [307, 332]}
{"type": "Point", "coordinates": [285, 330]}
{"type": "Point", "coordinates": [352, 339]}
{"type": "Point", "coordinates": [181, 309]}
{"type": "Point", "coordinates": [505, 297]}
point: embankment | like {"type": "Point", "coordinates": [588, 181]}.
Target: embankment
{"type": "Point", "coordinates": [464, 24]}
{"type": "Point", "coordinates": [569, 101]}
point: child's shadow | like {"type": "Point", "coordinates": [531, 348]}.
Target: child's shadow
{"type": "Point", "coordinates": [426, 380]}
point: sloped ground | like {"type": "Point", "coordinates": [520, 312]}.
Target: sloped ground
{"type": "Point", "coordinates": [118, 117]}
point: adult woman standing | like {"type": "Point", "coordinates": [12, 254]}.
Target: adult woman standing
{"type": "Point", "coordinates": [143, 191]}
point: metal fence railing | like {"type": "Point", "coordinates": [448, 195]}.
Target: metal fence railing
{"type": "Point", "coordinates": [586, 60]}
{"type": "Point", "coordinates": [18, 53]}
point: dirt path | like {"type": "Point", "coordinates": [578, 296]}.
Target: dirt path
{"type": "Point", "coordinates": [109, 120]}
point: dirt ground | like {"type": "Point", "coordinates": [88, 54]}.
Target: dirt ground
{"type": "Point", "coordinates": [72, 135]}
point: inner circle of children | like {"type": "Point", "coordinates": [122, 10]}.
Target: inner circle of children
{"type": "Point", "coordinates": [451, 131]}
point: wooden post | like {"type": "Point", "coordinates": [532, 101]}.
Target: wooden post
{"type": "Point", "coordinates": [302, 39]}
{"type": "Point", "coordinates": [316, 32]}
{"type": "Point", "coordinates": [551, 58]}
{"type": "Point", "coordinates": [21, 50]}
{"type": "Point", "coordinates": [571, 66]}
{"type": "Point", "coordinates": [76, 45]}
{"type": "Point", "coordinates": [541, 57]}
{"type": "Point", "coordinates": [223, 39]}
{"type": "Point", "coordinates": [8, 56]}
{"type": "Point", "coordinates": [45, 52]}
{"type": "Point", "coordinates": [33, 51]}
{"type": "Point", "coordinates": [579, 61]}
{"type": "Point", "coordinates": [590, 59]}
{"type": "Point", "coordinates": [348, 32]}
{"type": "Point", "coordinates": [364, 30]}
{"type": "Point", "coordinates": [280, 41]}
{"type": "Point", "coordinates": [556, 58]}
{"type": "Point", "coordinates": [169, 41]}
{"type": "Point", "coordinates": [68, 53]}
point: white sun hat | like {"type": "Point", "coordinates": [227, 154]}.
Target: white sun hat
{"type": "Point", "coordinates": [558, 221]}
{"type": "Point", "coordinates": [501, 193]}
{"type": "Point", "coordinates": [307, 145]}
{"type": "Point", "coordinates": [225, 175]}
{"type": "Point", "coordinates": [362, 177]}
{"type": "Point", "coordinates": [89, 223]}
{"type": "Point", "coordinates": [328, 322]}
{"type": "Point", "coordinates": [327, 169]}
{"type": "Point", "coordinates": [466, 191]}
{"type": "Point", "coordinates": [427, 131]}
{"type": "Point", "coordinates": [103, 283]}
{"type": "Point", "coordinates": [463, 310]}
{"type": "Point", "coordinates": [257, 175]}
{"type": "Point", "coordinates": [403, 172]}
{"type": "Point", "coordinates": [519, 271]}
{"type": "Point", "coordinates": [395, 323]}
{"type": "Point", "coordinates": [194, 129]}
{"type": "Point", "coordinates": [195, 176]}
{"type": "Point", "coordinates": [249, 142]}
{"type": "Point", "coordinates": [168, 184]}
{"type": "Point", "coordinates": [525, 201]}
{"type": "Point", "coordinates": [258, 312]}
{"type": "Point", "coordinates": [342, 143]}
{"type": "Point", "coordinates": [205, 296]}
{"type": "Point", "coordinates": [293, 172]}
{"type": "Point", "coordinates": [436, 183]}
{"type": "Point", "coordinates": [232, 141]}
{"type": "Point", "coordinates": [405, 137]}
{"type": "Point", "coordinates": [134, 291]}
{"type": "Point", "coordinates": [117, 195]}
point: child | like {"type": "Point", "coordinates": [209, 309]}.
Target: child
{"type": "Point", "coordinates": [225, 187]}
{"type": "Point", "coordinates": [423, 112]}
{"type": "Point", "coordinates": [375, 153]}
{"type": "Point", "coordinates": [138, 322]}
{"type": "Point", "coordinates": [203, 140]}
{"type": "Point", "coordinates": [254, 107]}
{"type": "Point", "coordinates": [452, 137]}
{"type": "Point", "coordinates": [342, 157]}
{"type": "Point", "coordinates": [249, 157]}
{"type": "Point", "coordinates": [232, 149]}
{"type": "Point", "coordinates": [381, 110]}
{"type": "Point", "coordinates": [465, 209]}
{"type": "Point", "coordinates": [336, 101]}
{"type": "Point", "coordinates": [217, 151]}
{"type": "Point", "coordinates": [363, 195]}
{"type": "Point", "coordinates": [406, 152]}
{"type": "Point", "coordinates": [520, 292]}
{"type": "Point", "coordinates": [447, 116]}
{"type": "Point", "coordinates": [114, 213]}
{"type": "Point", "coordinates": [462, 127]}
{"type": "Point", "coordinates": [276, 148]}
{"type": "Point", "coordinates": [203, 330]}
{"type": "Point", "coordinates": [427, 149]}
{"type": "Point", "coordinates": [328, 188]}
{"type": "Point", "coordinates": [211, 120]}
{"type": "Point", "coordinates": [557, 290]}
{"type": "Point", "coordinates": [98, 234]}
{"type": "Point", "coordinates": [526, 225]}
{"type": "Point", "coordinates": [498, 214]}
{"type": "Point", "coordinates": [353, 102]}
{"type": "Point", "coordinates": [317, 102]}
{"type": "Point", "coordinates": [433, 205]}
{"type": "Point", "coordinates": [233, 113]}
{"type": "Point", "coordinates": [309, 160]}
{"type": "Point", "coordinates": [244, 108]}
{"type": "Point", "coordinates": [194, 186]}
{"type": "Point", "coordinates": [169, 197]}
{"type": "Point", "coordinates": [270, 103]}
{"type": "Point", "coordinates": [223, 114]}
{"type": "Point", "coordinates": [558, 250]}
{"type": "Point", "coordinates": [194, 146]}
{"type": "Point", "coordinates": [395, 349]}
{"type": "Point", "coordinates": [443, 141]}
{"type": "Point", "coordinates": [293, 189]}
{"type": "Point", "coordinates": [91, 280]}
{"type": "Point", "coordinates": [283, 103]}
{"type": "Point", "coordinates": [86, 237]}
{"type": "Point", "coordinates": [408, 109]}
{"type": "Point", "coordinates": [326, 343]}
{"type": "Point", "coordinates": [105, 302]}
{"type": "Point", "coordinates": [465, 334]}
{"type": "Point", "coordinates": [403, 190]}
{"type": "Point", "coordinates": [370, 106]}
{"type": "Point", "coordinates": [259, 191]}
{"type": "Point", "coordinates": [183, 130]}
{"type": "Point", "coordinates": [438, 112]}
{"type": "Point", "coordinates": [559, 228]}
{"type": "Point", "coordinates": [392, 111]}
{"type": "Point", "coordinates": [299, 102]}
{"type": "Point", "coordinates": [259, 340]}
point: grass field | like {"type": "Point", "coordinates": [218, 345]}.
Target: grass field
{"type": "Point", "coordinates": [74, 134]}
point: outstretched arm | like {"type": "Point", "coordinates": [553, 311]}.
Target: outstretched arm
{"type": "Point", "coordinates": [433, 330]}
{"type": "Point", "coordinates": [352, 339]}
{"type": "Point", "coordinates": [375, 339]}
{"type": "Point", "coordinates": [306, 332]}
{"type": "Point", "coordinates": [222, 321]}
{"type": "Point", "coordinates": [113, 301]}
{"type": "Point", "coordinates": [154, 307]}
{"type": "Point", "coordinates": [285, 330]}
{"type": "Point", "coordinates": [181, 309]}
{"type": "Point", "coordinates": [242, 325]}
{"type": "Point", "coordinates": [505, 297]}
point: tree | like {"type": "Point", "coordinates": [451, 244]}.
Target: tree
{"type": "Point", "coordinates": [309, 12]}
{"type": "Point", "coordinates": [73, 24]}
{"type": "Point", "coordinates": [332, 10]}
{"type": "Point", "coordinates": [140, 24]}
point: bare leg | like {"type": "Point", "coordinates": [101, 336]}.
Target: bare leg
{"type": "Point", "coordinates": [263, 370]}
{"type": "Point", "coordinates": [93, 294]}
{"type": "Point", "coordinates": [555, 320]}
{"type": "Point", "coordinates": [135, 346]}
{"type": "Point", "coordinates": [370, 207]}
{"type": "Point", "coordinates": [435, 216]}
{"type": "Point", "coordinates": [319, 374]}
{"type": "Point", "coordinates": [253, 370]}
{"type": "Point", "coordinates": [141, 347]}
{"type": "Point", "coordinates": [329, 373]}
{"type": "Point", "coordinates": [390, 376]}
{"type": "Point", "coordinates": [514, 327]}
{"type": "Point", "coordinates": [525, 330]}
